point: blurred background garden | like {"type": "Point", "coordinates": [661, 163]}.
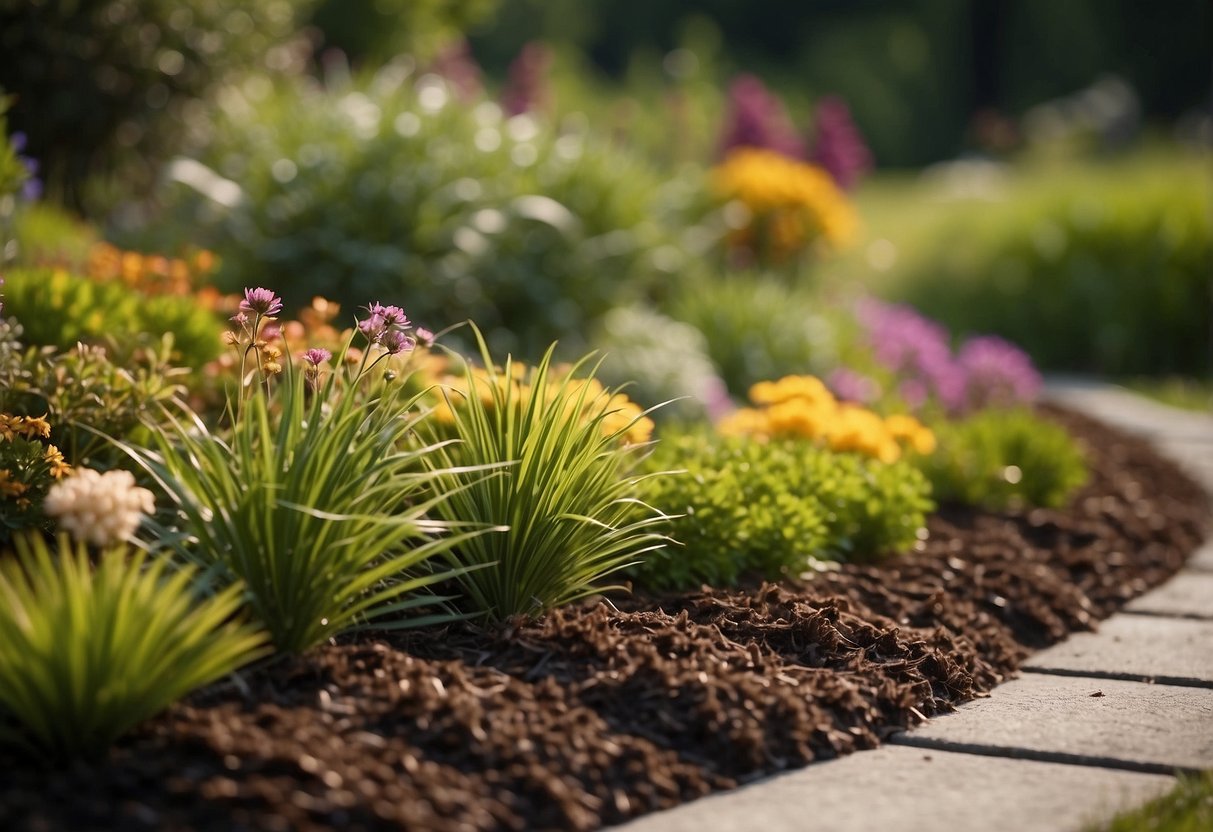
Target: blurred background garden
{"type": "Point", "coordinates": [711, 193]}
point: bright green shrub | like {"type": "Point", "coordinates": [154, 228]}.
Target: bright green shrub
{"type": "Point", "coordinates": [318, 504]}
{"type": "Point", "coordinates": [60, 309]}
{"type": "Point", "coordinates": [1004, 458]}
{"type": "Point", "coordinates": [389, 189]}
{"type": "Point", "coordinates": [1103, 270]}
{"type": "Point", "coordinates": [770, 508]}
{"type": "Point", "coordinates": [567, 495]}
{"type": "Point", "coordinates": [87, 653]}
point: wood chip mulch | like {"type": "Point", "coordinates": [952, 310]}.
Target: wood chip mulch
{"type": "Point", "coordinates": [604, 711]}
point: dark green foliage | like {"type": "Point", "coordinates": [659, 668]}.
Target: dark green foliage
{"type": "Point", "coordinates": [382, 29]}
{"type": "Point", "coordinates": [60, 309]}
{"type": "Point", "coordinates": [769, 508]}
{"type": "Point", "coordinates": [1004, 458]}
{"type": "Point", "coordinates": [107, 85]}
{"type": "Point", "coordinates": [392, 190]}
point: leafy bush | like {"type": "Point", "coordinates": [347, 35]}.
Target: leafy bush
{"type": "Point", "coordinates": [1126, 250]}
{"type": "Point", "coordinates": [83, 391]}
{"type": "Point", "coordinates": [661, 360]}
{"type": "Point", "coordinates": [60, 309]}
{"type": "Point", "coordinates": [126, 74]}
{"type": "Point", "coordinates": [88, 653]}
{"type": "Point", "coordinates": [29, 466]}
{"type": "Point", "coordinates": [758, 326]}
{"type": "Point", "coordinates": [567, 497]}
{"type": "Point", "coordinates": [1003, 458]}
{"type": "Point", "coordinates": [386, 188]}
{"type": "Point", "coordinates": [771, 508]}
{"type": "Point", "coordinates": [319, 504]}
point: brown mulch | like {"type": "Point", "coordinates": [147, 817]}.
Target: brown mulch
{"type": "Point", "coordinates": [598, 713]}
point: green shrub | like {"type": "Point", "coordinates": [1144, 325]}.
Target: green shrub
{"type": "Point", "coordinates": [319, 504]}
{"type": "Point", "coordinates": [127, 75]}
{"type": "Point", "coordinates": [757, 326]}
{"type": "Point", "coordinates": [88, 653]}
{"type": "Point", "coordinates": [567, 496]}
{"type": "Point", "coordinates": [1099, 270]}
{"type": "Point", "coordinates": [1004, 458]}
{"type": "Point", "coordinates": [771, 508]}
{"type": "Point", "coordinates": [387, 189]}
{"type": "Point", "coordinates": [60, 309]}
{"type": "Point", "coordinates": [82, 391]}
{"type": "Point", "coordinates": [660, 360]}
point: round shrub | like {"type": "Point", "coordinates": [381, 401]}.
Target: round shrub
{"type": "Point", "coordinates": [392, 189]}
{"type": "Point", "coordinates": [1005, 458]}
{"type": "Point", "coordinates": [59, 309]}
{"type": "Point", "coordinates": [766, 509]}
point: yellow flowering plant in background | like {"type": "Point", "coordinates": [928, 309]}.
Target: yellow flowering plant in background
{"type": "Point", "coordinates": [790, 208]}
{"type": "Point", "coordinates": [803, 407]}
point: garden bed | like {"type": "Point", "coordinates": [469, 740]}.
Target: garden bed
{"type": "Point", "coordinates": [599, 712]}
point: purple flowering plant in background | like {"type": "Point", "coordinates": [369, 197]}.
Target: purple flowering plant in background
{"type": "Point", "coordinates": [838, 146]}
{"type": "Point", "coordinates": [915, 354]}
{"type": "Point", "coordinates": [757, 118]}
{"type": "Point", "coordinates": [527, 87]}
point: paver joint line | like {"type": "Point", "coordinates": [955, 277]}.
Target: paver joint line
{"type": "Point", "coordinates": [1013, 753]}
{"type": "Point", "coordinates": [1175, 681]}
{"type": "Point", "coordinates": [1181, 616]}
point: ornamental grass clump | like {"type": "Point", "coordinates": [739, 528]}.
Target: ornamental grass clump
{"type": "Point", "coordinates": [87, 653]}
{"type": "Point", "coordinates": [320, 501]}
{"type": "Point", "coordinates": [567, 496]}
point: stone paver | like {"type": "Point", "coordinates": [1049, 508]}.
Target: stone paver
{"type": "Point", "coordinates": [1138, 647]}
{"type": "Point", "coordinates": [916, 790]}
{"type": "Point", "coordinates": [1130, 725]}
{"type": "Point", "coordinates": [1202, 558]}
{"type": "Point", "coordinates": [1187, 594]}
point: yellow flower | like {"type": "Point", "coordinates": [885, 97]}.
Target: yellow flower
{"type": "Point", "coordinates": [10, 487]}
{"type": "Point", "coordinates": [792, 204]}
{"type": "Point", "coordinates": [36, 426]}
{"type": "Point", "coordinates": [10, 427]}
{"type": "Point", "coordinates": [54, 456]}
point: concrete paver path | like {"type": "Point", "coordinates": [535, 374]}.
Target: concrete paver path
{"type": "Point", "coordinates": [1096, 724]}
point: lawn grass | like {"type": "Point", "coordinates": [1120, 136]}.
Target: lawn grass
{"type": "Point", "coordinates": [1186, 808]}
{"type": "Point", "coordinates": [1176, 391]}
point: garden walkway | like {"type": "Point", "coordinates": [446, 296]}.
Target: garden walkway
{"type": "Point", "coordinates": [1099, 723]}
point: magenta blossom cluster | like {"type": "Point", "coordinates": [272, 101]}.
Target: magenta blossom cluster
{"type": "Point", "coordinates": [757, 118]}
{"type": "Point", "coordinates": [986, 371]}
{"type": "Point", "coordinates": [838, 146]}
{"type": "Point", "coordinates": [387, 327]}
{"type": "Point", "coordinates": [527, 87]}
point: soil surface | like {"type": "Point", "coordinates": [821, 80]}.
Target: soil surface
{"type": "Point", "coordinates": [603, 711]}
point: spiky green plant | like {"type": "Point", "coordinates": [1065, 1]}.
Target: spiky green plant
{"type": "Point", "coordinates": [88, 653]}
{"type": "Point", "coordinates": [568, 499]}
{"type": "Point", "coordinates": [319, 503]}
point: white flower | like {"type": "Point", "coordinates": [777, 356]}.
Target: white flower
{"type": "Point", "coordinates": [101, 509]}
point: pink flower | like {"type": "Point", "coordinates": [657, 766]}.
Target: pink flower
{"type": "Point", "coordinates": [261, 302]}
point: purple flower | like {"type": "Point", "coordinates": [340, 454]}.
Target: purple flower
{"type": "Point", "coordinates": [424, 336]}
{"type": "Point", "coordinates": [837, 144]}
{"type": "Point", "coordinates": [851, 386]}
{"type": "Point", "coordinates": [388, 315]}
{"type": "Point", "coordinates": [997, 373]}
{"type": "Point", "coordinates": [18, 141]}
{"type": "Point", "coordinates": [239, 319]}
{"type": "Point", "coordinates": [527, 87]}
{"type": "Point", "coordinates": [395, 341]}
{"type": "Point", "coordinates": [757, 118]}
{"type": "Point", "coordinates": [261, 302]}
{"type": "Point", "coordinates": [317, 356]}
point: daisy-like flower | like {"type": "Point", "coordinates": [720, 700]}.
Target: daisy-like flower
{"type": "Point", "coordinates": [261, 302]}
{"type": "Point", "coordinates": [101, 509]}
